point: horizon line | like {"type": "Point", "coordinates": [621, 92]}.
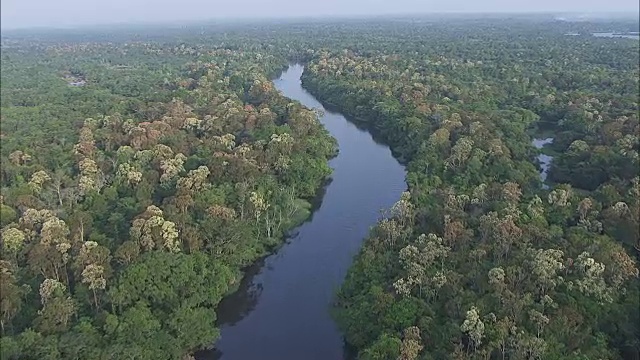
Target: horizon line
{"type": "Point", "coordinates": [243, 19]}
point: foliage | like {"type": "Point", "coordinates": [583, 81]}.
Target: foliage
{"type": "Point", "coordinates": [142, 169]}
{"type": "Point", "coordinates": [489, 264]}
{"type": "Point", "coordinates": [131, 203]}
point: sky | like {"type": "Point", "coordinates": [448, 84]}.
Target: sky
{"type": "Point", "coordinates": [73, 13]}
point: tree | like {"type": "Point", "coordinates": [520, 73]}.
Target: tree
{"type": "Point", "coordinates": [10, 294]}
{"type": "Point", "coordinates": [473, 327]}
{"type": "Point", "coordinates": [57, 307]}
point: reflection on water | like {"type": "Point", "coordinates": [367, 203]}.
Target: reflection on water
{"type": "Point", "coordinates": [239, 304]}
{"type": "Point", "coordinates": [545, 160]}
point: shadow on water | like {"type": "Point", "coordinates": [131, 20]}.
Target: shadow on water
{"type": "Point", "coordinates": [364, 126]}
{"type": "Point", "coordinates": [235, 306]}
{"type": "Point", "coordinates": [360, 124]}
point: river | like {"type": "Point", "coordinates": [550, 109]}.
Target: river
{"type": "Point", "coordinates": [544, 159]}
{"type": "Point", "coordinates": [282, 309]}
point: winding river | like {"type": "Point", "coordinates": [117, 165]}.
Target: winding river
{"type": "Point", "coordinates": [282, 310]}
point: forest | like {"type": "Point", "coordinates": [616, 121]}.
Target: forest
{"type": "Point", "coordinates": [144, 169]}
{"type": "Point", "coordinates": [131, 204]}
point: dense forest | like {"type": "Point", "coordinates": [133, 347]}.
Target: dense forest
{"type": "Point", "coordinates": [130, 204]}
{"type": "Point", "coordinates": [144, 169]}
{"type": "Point", "coordinates": [478, 260]}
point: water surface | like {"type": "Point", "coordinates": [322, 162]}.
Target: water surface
{"type": "Point", "coordinates": [282, 310]}
{"type": "Point", "coordinates": [544, 159]}
{"type": "Point", "coordinates": [617, 35]}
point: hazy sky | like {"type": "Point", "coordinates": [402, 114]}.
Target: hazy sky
{"type": "Point", "coordinates": [63, 13]}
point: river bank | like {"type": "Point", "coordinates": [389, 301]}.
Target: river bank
{"type": "Point", "coordinates": [282, 310]}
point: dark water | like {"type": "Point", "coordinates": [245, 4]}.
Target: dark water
{"type": "Point", "coordinates": [545, 160]}
{"type": "Point", "coordinates": [282, 310]}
